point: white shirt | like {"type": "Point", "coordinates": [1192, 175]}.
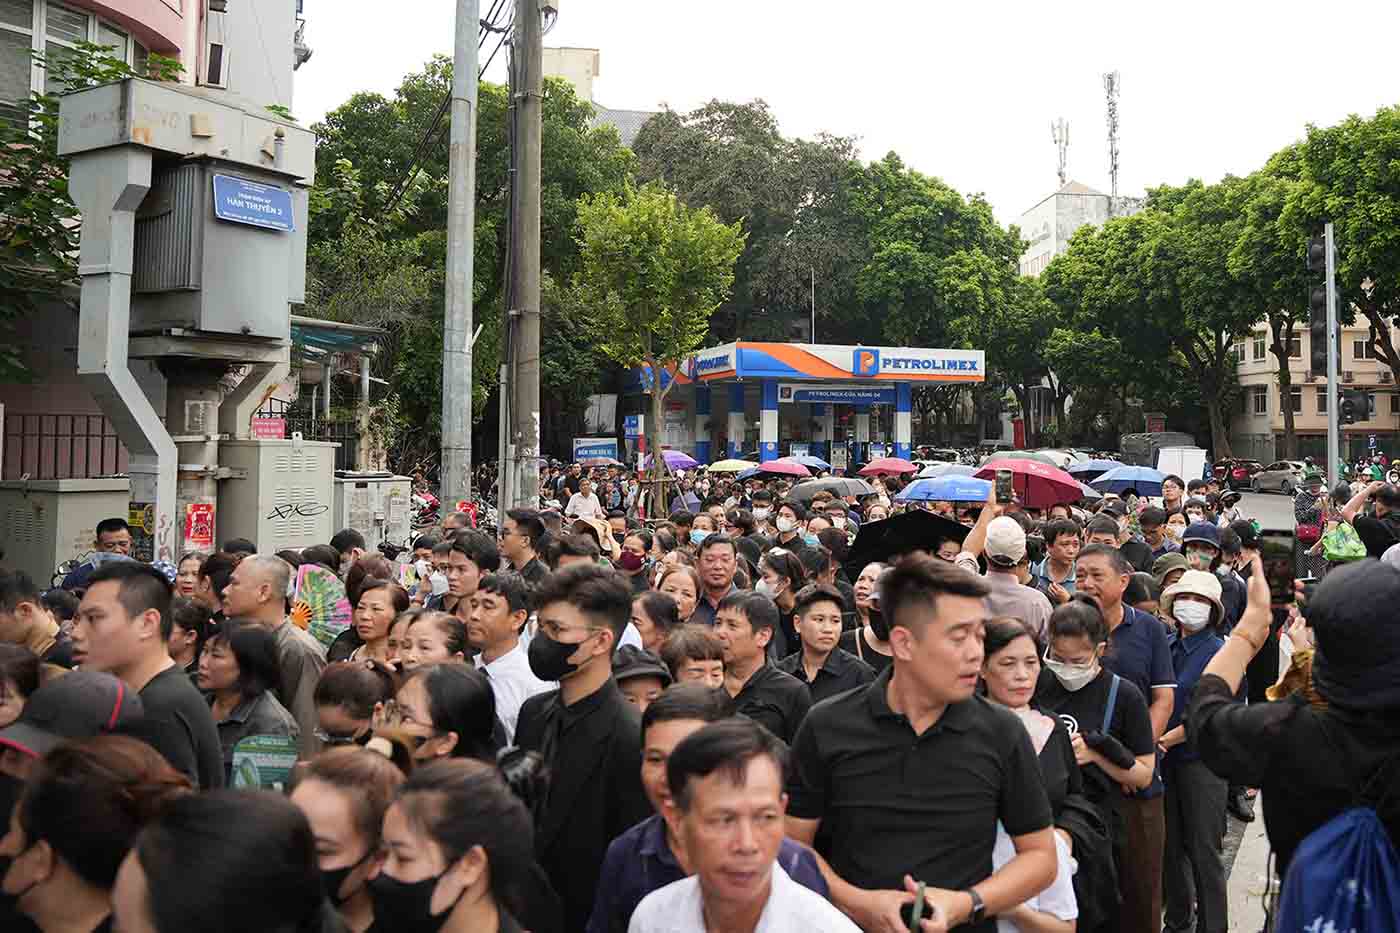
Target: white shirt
{"type": "Point", "coordinates": [513, 683]}
{"type": "Point", "coordinates": [791, 908]}
{"type": "Point", "coordinates": [581, 506]}
{"type": "Point", "coordinates": [1057, 900]}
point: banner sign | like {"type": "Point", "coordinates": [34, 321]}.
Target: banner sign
{"type": "Point", "coordinates": [877, 451]}
{"type": "Point", "coordinates": [270, 428]}
{"type": "Point", "coordinates": [247, 202]}
{"type": "Point", "coordinates": [199, 525]}
{"type": "Point", "coordinates": [591, 448]}
{"type": "Point", "coordinates": [835, 394]}
{"type": "Point", "coordinates": [264, 761]}
{"type": "Point", "coordinates": [799, 450]}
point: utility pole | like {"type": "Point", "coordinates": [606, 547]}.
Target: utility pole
{"type": "Point", "coordinates": [1334, 440]}
{"type": "Point", "coordinates": [455, 481]}
{"type": "Point", "coordinates": [522, 450]}
{"type": "Point", "coordinates": [814, 305]}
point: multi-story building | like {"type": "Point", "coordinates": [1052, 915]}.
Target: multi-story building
{"type": "Point", "coordinates": [1256, 428]}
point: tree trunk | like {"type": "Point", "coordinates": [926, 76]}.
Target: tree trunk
{"type": "Point", "coordinates": [1279, 348]}
{"type": "Point", "coordinates": [659, 503]}
{"type": "Point", "coordinates": [1381, 343]}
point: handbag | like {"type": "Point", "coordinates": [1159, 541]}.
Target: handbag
{"type": "Point", "coordinates": [1308, 533]}
{"type": "Point", "coordinates": [1342, 545]}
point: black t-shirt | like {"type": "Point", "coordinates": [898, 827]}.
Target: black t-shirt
{"type": "Point", "coordinates": [775, 700]}
{"type": "Point", "coordinates": [854, 642]}
{"type": "Point", "coordinates": [840, 672]}
{"type": "Point", "coordinates": [1083, 711]}
{"type": "Point", "coordinates": [179, 725]}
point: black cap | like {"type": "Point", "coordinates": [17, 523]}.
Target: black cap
{"type": "Point", "coordinates": [76, 705]}
{"type": "Point", "coordinates": [631, 661]}
{"type": "Point", "coordinates": [1114, 507]}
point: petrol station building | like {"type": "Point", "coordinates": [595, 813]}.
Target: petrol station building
{"type": "Point", "coordinates": [845, 404]}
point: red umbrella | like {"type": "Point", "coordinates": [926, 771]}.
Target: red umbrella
{"type": "Point", "coordinates": [1038, 485]}
{"type": "Point", "coordinates": [884, 466]}
{"type": "Point", "coordinates": [784, 467]}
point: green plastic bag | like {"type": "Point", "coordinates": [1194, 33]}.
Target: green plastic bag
{"type": "Point", "coordinates": [1342, 545]}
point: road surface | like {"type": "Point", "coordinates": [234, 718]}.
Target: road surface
{"type": "Point", "coordinates": [1274, 511]}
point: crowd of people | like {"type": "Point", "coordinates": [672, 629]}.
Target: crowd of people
{"type": "Point", "coordinates": [743, 717]}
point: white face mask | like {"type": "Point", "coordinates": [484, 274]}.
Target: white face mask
{"type": "Point", "coordinates": [760, 514]}
{"type": "Point", "coordinates": [1192, 615]}
{"type": "Point", "coordinates": [786, 524]}
{"type": "Point", "coordinates": [767, 589]}
{"type": "Point", "coordinates": [1073, 677]}
{"type": "Point", "coordinates": [438, 581]}
{"type": "Point", "coordinates": [837, 521]}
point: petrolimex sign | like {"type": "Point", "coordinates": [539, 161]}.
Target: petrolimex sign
{"type": "Point", "coordinates": [713, 362]}
{"type": "Point", "coordinates": [915, 363]}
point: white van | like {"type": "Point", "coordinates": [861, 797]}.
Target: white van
{"type": "Point", "coordinates": [1187, 462]}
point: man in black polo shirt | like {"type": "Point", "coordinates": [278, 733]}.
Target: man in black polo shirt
{"type": "Point", "coordinates": [825, 668]}
{"type": "Point", "coordinates": [911, 774]}
{"type": "Point", "coordinates": [587, 732]}
{"type": "Point", "coordinates": [744, 624]}
{"type": "Point", "coordinates": [521, 534]}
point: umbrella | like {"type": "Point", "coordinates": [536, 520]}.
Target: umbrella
{"type": "Point", "coordinates": [946, 469]}
{"type": "Point", "coordinates": [1035, 455]}
{"type": "Point", "coordinates": [1092, 469]}
{"type": "Point", "coordinates": [781, 468]}
{"type": "Point", "coordinates": [318, 603]}
{"type": "Point", "coordinates": [884, 466]}
{"type": "Point", "coordinates": [730, 466]}
{"type": "Point", "coordinates": [1038, 485]}
{"type": "Point", "coordinates": [950, 488]}
{"type": "Point", "coordinates": [889, 537]}
{"type": "Point", "coordinates": [1090, 492]}
{"type": "Point", "coordinates": [809, 461]}
{"type": "Point", "coordinates": [675, 460]}
{"type": "Point", "coordinates": [836, 485]}
{"type": "Point", "coordinates": [1147, 481]}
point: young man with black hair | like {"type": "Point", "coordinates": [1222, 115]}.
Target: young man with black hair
{"type": "Point", "coordinates": [574, 550]}
{"type": "Point", "coordinates": [910, 775]}
{"type": "Point", "coordinates": [499, 608]}
{"type": "Point", "coordinates": [744, 624]}
{"type": "Point", "coordinates": [25, 620]}
{"type": "Point", "coordinates": [587, 732]}
{"type": "Point", "coordinates": [820, 663]}
{"type": "Point", "coordinates": [521, 535]}
{"type": "Point", "coordinates": [1054, 576]}
{"type": "Point", "coordinates": [1153, 522]}
{"type": "Point", "coordinates": [724, 809]}
{"type": "Point", "coordinates": [1173, 492]}
{"type": "Point", "coordinates": [351, 545]}
{"type": "Point", "coordinates": [122, 627]}
{"type": "Point", "coordinates": [473, 555]}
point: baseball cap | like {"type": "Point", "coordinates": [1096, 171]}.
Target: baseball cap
{"type": "Point", "coordinates": [1114, 507]}
{"type": "Point", "coordinates": [1006, 542]}
{"type": "Point", "coordinates": [76, 705]}
{"type": "Point", "coordinates": [630, 661]}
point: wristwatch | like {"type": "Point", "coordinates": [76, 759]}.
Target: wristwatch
{"type": "Point", "coordinates": [979, 909]}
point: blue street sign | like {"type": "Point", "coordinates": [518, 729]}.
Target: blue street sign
{"type": "Point", "coordinates": [631, 426]}
{"type": "Point", "coordinates": [247, 202]}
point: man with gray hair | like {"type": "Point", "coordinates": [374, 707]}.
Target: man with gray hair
{"type": "Point", "coordinates": [258, 592]}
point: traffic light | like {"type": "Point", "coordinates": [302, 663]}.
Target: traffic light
{"type": "Point", "coordinates": [1318, 341]}
{"type": "Point", "coordinates": [1356, 406]}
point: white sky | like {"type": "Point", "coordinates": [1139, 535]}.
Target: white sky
{"type": "Point", "coordinates": [963, 91]}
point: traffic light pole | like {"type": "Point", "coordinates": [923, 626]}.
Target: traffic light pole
{"type": "Point", "coordinates": [1334, 446]}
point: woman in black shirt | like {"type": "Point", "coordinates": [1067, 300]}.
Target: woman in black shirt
{"type": "Point", "coordinates": [869, 639]}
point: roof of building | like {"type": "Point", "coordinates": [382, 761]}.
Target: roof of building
{"type": "Point", "coordinates": [627, 122]}
{"type": "Point", "coordinates": [1074, 187]}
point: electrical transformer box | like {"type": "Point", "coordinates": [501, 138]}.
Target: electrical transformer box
{"type": "Point", "coordinates": [377, 505]}
{"type": "Point", "coordinates": [286, 498]}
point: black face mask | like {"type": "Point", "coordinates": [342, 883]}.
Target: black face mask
{"type": "Point", "coordinates": [549, 659]}
{"type": "Point", "coordinates": [332, 880]}
{"type": "Point", "coordinates": [878, 626]}
{"type": "Point", "coordinates": [406, 905]}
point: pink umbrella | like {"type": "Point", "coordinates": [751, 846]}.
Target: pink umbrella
{"type": "Point", "coordinates": [1038, 485]}
{"type": "Point", "coordinates": [785, 467]}
{"type": "Point", "coordinates": [884, 466]}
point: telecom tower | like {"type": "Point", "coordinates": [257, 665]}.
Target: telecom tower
{"type": "Point", "coordinates": [1059, 131]}
{"type": "Point", "coordinates": [1112, 84]}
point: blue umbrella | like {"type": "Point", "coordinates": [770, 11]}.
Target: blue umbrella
{"type": "Point", "coordinates": [1147, 481]}
{"type": "Point", "coordinates": [1091, 468]}
{"type": "Point", "coordinates": [948, 488]}
{"type": "Point", "coordinates": [814, 464]}
{"type": "Point", "coordinates": [946, 469]}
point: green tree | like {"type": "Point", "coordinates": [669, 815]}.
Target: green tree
{"type": "Point", "coordinates": [42, 225]}
{"type": "Point", "coordinates": [651, 272]}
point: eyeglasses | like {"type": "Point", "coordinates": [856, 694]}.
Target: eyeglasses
{"type": "Point", "coordinates": [334, 739]}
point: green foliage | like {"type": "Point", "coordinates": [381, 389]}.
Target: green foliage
{"type": "Point", "coordinates": [39, 239]}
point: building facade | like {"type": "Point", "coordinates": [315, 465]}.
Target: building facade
{"type": "Point", "coordinates": [1256, 429]}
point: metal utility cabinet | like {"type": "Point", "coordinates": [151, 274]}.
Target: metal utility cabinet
{"type": "Point", "coordinates": [283, 495]}
{"type": "Point", "coordinates": [45, 522]}
{"type": "Point", "coordinates": [376, 505]}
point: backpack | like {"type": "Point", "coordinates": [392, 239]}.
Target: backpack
{"type": "Point", "coordinates": [1345, 876]}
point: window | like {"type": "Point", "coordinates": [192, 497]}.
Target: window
{"type": "Point", "coordinates": [1261, 399]}
{"type": "Point", "coordinates": [1370, 405]}
{"type": "Point", "coordinates": [1395, 403]}
{"type": "Point", "coordinates": [1322, 401]}
{"type": "Point", "coordinates": [1237, 351]}
{"type": "Point", "coordinates": [1362, 350]}
{"type": "Point", "coordinates": [1258, 347]}
{"type": "Point", "coordinates": [1295, 394]}
{"type": "Point", "coordinates": [59, 29]}
{"type": "Point", "coordinates": [1295, 347]}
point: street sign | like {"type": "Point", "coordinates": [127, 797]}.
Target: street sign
{"type": "Point", "coordinates": [270, 428]}
{"type": "Point", "coordinates": [838, 456]}
{"type": "Point", "coordinates": [799, 450]}
{"type": "Point", "coordinates": [632, 426]}
{"type": "Point", "coordinates": [588, 448]}
{"type": "Point", "coordinates": [241, 201]}
{"type": "Point", "coordinates": [1371, 441]}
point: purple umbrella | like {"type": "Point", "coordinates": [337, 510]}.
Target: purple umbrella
{"type": "Point", "coordinates": [675, 460]}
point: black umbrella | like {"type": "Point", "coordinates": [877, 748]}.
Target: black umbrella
{"type": "Point", "coordinates": [839, 486]}
{"type": "Point", "coordinates": [898, 534]}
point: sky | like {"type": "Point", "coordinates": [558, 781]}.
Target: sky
{"type": "Point", "coordinates": [962, 91]}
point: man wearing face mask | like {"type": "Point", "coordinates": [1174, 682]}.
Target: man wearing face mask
{"type": "Point", "coordinates": [351, 545]}
{"type": "Point", "coordinates": [586, 731]}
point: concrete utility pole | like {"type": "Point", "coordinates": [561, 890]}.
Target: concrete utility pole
{"type": "Point", "coordinates": [522, 469]}
{"type": "Point", "coordinates": [1334, 441]}
{"type": "Point", "coordinates": [456, 476]}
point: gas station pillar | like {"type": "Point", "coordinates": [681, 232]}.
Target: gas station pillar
{"type": "Point", "coordinates": [862, 433]}
{"type": "Point", "coordinates": [768, 422]}
{"type": "Point", "coordinates": [822, 434]}
{"type": "Point", "coordinates": [736, 419]}
{"type": "Point", "coordinates": [702, 424]}
{"type": "Point", "coordinates": [903, 424]}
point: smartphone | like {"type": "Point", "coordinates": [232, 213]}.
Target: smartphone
{"type": "Point", "coordinates": [1276, 551]}
{"type": "Point", "coordinates": [1005, 492]}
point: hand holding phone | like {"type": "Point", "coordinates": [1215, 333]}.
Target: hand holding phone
{"type": "Point", "coordinates": [1005, 490]}
{"type": "Point", "coordinates": [1276, 552]}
